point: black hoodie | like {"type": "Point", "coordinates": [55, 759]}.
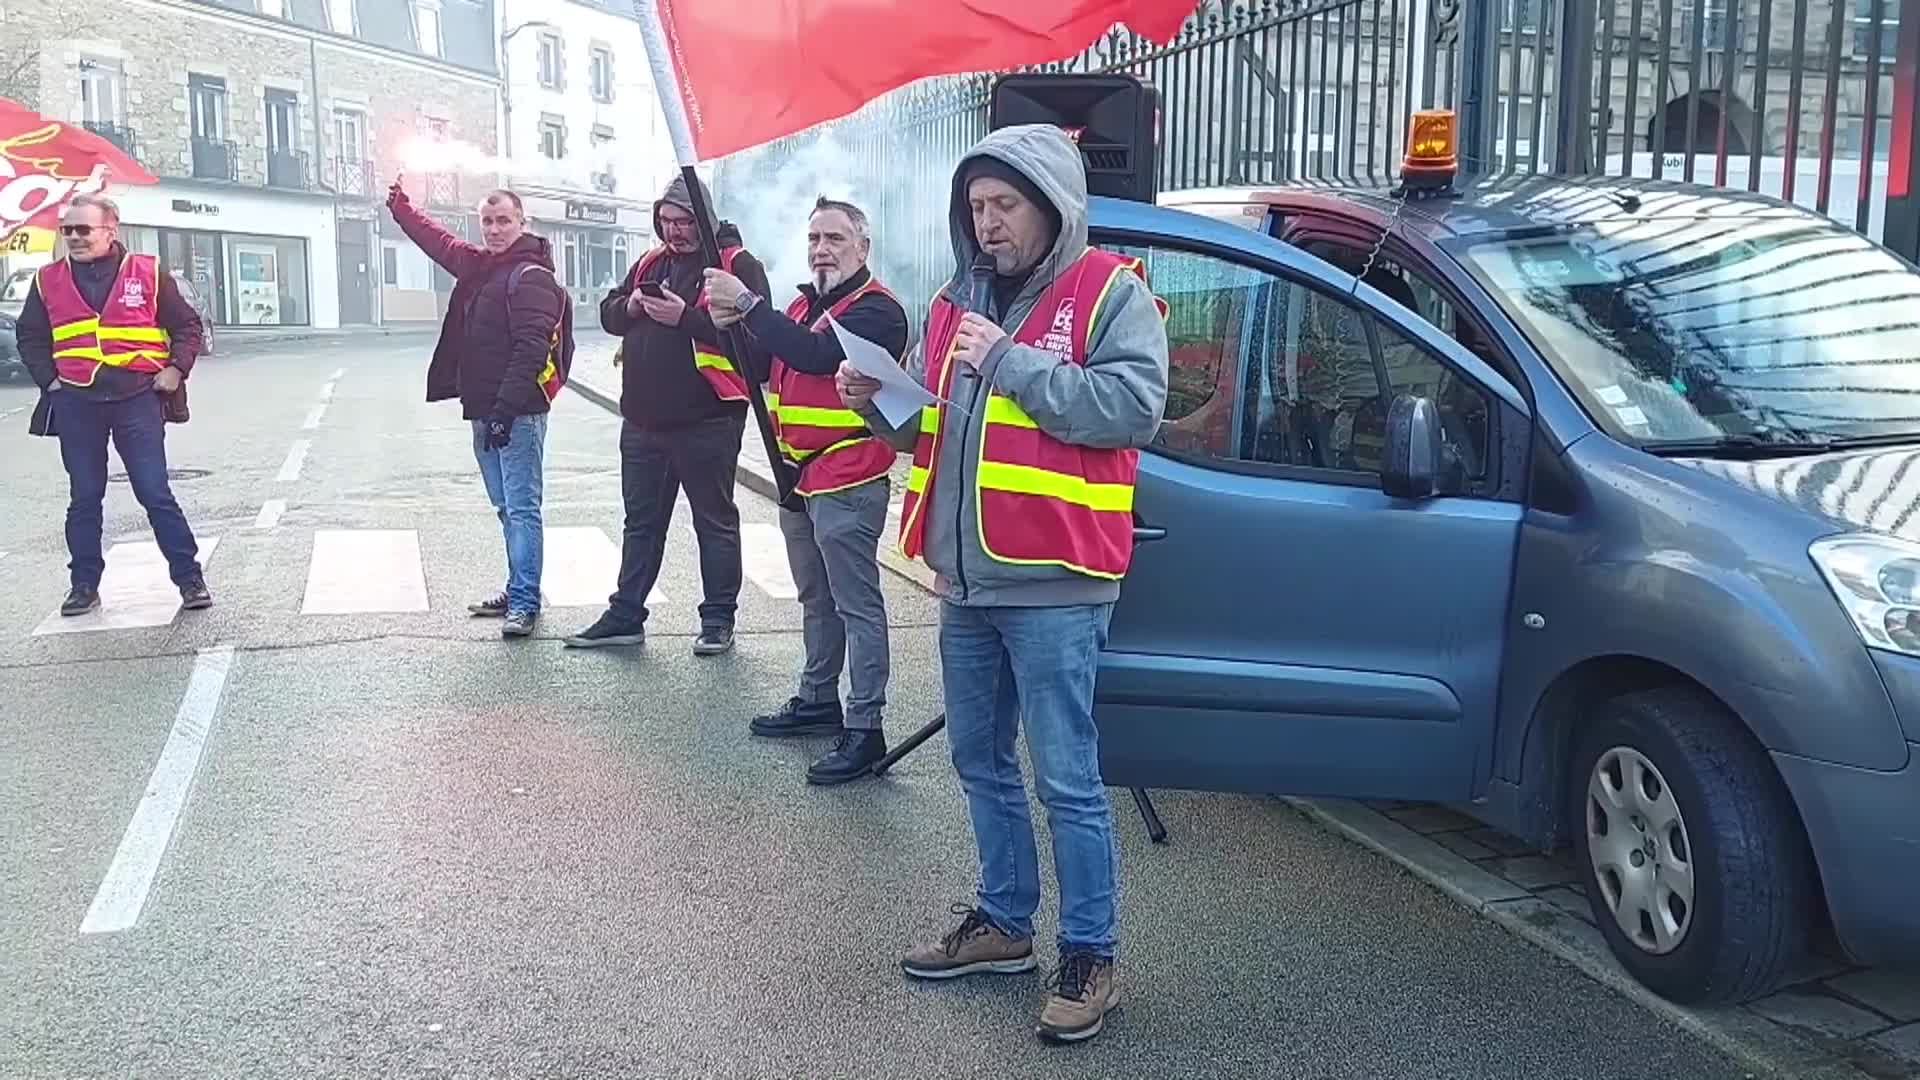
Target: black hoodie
{"type": "Point", "coordinates": [660, 388]}
{"type": "Point", "coordinates": [493, 345]}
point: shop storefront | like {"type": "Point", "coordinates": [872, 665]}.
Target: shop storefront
{"type": "Point", "coordinates": [593, 243]}
{"type": "Point", "coordinates": [253, 258]}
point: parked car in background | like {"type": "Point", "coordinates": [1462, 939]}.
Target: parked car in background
{"type": "Point", "coordinates": [11, 367]}
{"type": "Point", "coordinates": [1591, 507]}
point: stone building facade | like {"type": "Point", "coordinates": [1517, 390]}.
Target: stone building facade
{"type": "Point", "coordinates": [275, 127]}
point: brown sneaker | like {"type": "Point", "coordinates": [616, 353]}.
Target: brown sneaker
{"type": "Point", "coordinates": [1084, 992]}
{"type": "Point", "coordinates": [973, 947]}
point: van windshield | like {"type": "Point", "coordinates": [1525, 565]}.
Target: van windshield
{"type": "Point", "coordinates": [1776, 331]}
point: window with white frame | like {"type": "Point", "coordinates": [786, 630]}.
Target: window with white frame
{"type": "Point", "coordinates": [102, 92]}
{"type": "Point", "coordinates": [548, 60]}
{"type": "Point", "coordinates": [340, 17]}
{"type": "Point", "coordinates": [1863, 30]}
{"type": "Point", "coordinates": [426, 26]}
{"type": "Point", "coordinates": [600, 74]}
{"type": "Point", "coordinates": [553, 136]}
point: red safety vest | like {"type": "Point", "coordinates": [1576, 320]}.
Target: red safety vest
{"type": "Point", "coordinates": [124, 334]}
{"type": "Point", "coordinates": [727, 382]}
{"type": "Point", "coordinates": [809, 419]}
{"type": "Point", "coordinates": [1041, 501]}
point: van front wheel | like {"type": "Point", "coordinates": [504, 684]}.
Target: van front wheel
{"type": "Point", "coordinates": [1693, 858]}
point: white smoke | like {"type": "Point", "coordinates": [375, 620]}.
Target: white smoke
{"type": "Point", "coordinates": [900, 177]}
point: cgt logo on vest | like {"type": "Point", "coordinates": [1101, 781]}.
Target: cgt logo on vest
{"type": "Point", "coordinates": [1059, 340]}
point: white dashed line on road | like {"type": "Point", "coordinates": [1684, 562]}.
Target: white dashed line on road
{"type": "Point", "coordinates": [270, 512]}
{"type": "Point", "coordinates": [296, 457]}
{"type": "Point", "coordinates": [123, 892]}
{"type": "Point", "coordinates": [326, 392]}
{"type": "Point", "coordinates": [337, 373]}
{"type": "Point", "coordinates": [313, 417]}
{"type": "Point", "coordinates": [364, 571]}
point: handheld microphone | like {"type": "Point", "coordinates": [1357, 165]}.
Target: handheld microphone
{"type": "Point", "coordinates": [980, 292]}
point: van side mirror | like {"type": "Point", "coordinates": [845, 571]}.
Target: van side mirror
{"type": "Point", "coordinates": [1414, 454]}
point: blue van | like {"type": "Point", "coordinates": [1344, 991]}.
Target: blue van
{"type": "Point", "coordinates": [1591, 507]}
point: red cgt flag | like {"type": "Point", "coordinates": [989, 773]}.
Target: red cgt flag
{"type": "Point", "coordinates": [754, 70]}
{"type": "Point", "coordinates": [44, 163]}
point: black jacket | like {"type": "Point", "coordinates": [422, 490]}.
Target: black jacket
{"type": "Point", "coordinates": [494, 342]}
{"type": "Point", "coordinates": [95, 282]}
{"type": "Point", "coordinates": [877, 317]}
{"type": "Point", "coordinates": [660, 388]}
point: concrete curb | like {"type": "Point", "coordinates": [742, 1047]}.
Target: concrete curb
{"type": "Point", "coordinates": [1757, 1044]}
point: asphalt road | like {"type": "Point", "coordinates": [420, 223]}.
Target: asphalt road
{"type": "Point", "coordinates": [411, 849]}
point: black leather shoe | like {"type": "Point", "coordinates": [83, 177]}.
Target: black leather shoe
{"type": "Point", "coordinates": [713, 641]}
{"type": "Point", "coordinates": [194, 595]}
{"type": "Point", "coordinates": [799, 718]}
{"type": "Point", "coordinates": [852, 757]}
{"type": "Point", "coordinates": [80, 600]}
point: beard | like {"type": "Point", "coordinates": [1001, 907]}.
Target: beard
{"type": "Point", "coordinates": [825, 281]}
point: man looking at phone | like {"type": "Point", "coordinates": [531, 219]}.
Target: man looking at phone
{"type": "Point", "coordinates": [684, 408]}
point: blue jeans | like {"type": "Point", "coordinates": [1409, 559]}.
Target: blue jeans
{"type": "Point", "coordinates": [137, 427]}
{"type": "Point", "coordinates": [999, 666]}
{"type": "Point", "coordinates": [515, 478]}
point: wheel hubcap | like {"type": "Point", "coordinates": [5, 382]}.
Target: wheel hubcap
{"type": "Point", "coordinates": [1641, 857]}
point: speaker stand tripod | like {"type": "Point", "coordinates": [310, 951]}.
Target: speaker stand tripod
{"type": "Point", "coordinates": [1156, 829]}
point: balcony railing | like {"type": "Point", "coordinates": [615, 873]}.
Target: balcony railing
{"type": "Point", "coordinates": [215, 159]}
{"type": "Point", "coordinates": [351, 179]}
{"type": "Point", "coordinates": [119, 135]}
{"type": "Point", "coordinates": [443, 189]}
{"type": "Point", "coordinates": [289, 169]}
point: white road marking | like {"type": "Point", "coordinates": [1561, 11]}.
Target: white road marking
{"type": "Point", "coordinates": [359, 571]}
{"type": "Point", "coordinates": [123, 892]}
{"type": "Point", "coordinates": [313, 417]}
{"type": "Point", "coordinates": [581, 567]}
{"type": "Point", "coordinates": [135, 591]}
{"type": "Point", "coordinates": [270, 512]}
{"type": "Point", "coordinates": [337, 373]}
{"type": "Point", "coordinates": [763, 551]}
{"type": "Point", "coordinates": [326, 392]}
{"type": "Point", "coordinates": [296, 457]}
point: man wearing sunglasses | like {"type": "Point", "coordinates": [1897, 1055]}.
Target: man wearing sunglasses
{"type": "Point", "coordinates": [106, 333]}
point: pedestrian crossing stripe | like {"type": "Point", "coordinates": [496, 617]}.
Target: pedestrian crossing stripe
{"type": "Point", "coordinates": [381, 571]}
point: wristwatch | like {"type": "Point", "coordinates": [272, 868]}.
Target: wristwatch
{"type": "Point", "coordinates": [748, 298]}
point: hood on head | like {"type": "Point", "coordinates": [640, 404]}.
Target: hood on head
{"type": "Point", "coordinates": [677, 195]}
{"type": "Point", "coordinates": [530, 248]}
{"type": "Point", "coordinates": [1044, 155]}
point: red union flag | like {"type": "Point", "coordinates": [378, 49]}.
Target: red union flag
{"type": "Point", "coordinates": [754, 70]}
{"type": "Point", "coordinates": [43, 164]}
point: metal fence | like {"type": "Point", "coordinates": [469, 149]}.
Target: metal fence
{"type": "Point", "coordinates": [1789, 97]}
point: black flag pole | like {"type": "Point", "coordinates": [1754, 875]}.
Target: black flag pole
{"type": "Point", "coordinates": [734, 341]}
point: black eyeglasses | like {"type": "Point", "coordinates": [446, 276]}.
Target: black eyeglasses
{"type": "Point", "coordinates": [76, 230]}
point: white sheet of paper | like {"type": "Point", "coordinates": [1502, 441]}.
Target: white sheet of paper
{"type": "Point", "coordinates": [899, 396]}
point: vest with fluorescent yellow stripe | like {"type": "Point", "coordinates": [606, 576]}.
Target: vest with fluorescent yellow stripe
{"type": "Point", "coordinates": [811, 423]}
{"type": "Point", "coordinates": [125, 333]}
{"type": "Point", "coordinates": [1042, 502]}
{"type": "Point", "coordinates": [727, 382]}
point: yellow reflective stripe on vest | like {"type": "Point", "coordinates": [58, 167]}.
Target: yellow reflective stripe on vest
{"type": "Point", "coordinates": [917, 479]}
{"type": "Point", "coordinates": [1004, 410]}
{"type": "Point", "coordinates": [811, 416]}
{"type": "Point", "coordinates": [133, 333]}
{"type": "Point", "coordinates": [929, 420]}
{"type": "Point", "coordinates": [81, 352]}
{"type": "Point", "coordinates": [1027, 480]}
{"type": "Point", "coordinates": [76, 329]}
{"type": "Point", "coordinates": [711, 360]}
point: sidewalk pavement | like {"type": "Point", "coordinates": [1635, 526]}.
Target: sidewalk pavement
{"type": "Point", "coordinates": [1836, 1021]}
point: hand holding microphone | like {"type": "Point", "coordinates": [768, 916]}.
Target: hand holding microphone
{"type": "Point", "coordinates": [978, 333]}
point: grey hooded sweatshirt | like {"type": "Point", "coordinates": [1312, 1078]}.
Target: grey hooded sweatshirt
{"type": "Point", "coordinates": [1116, 400]}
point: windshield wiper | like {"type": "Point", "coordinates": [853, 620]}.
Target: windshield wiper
{"type": "Point", "coordinates": [1741, 446]}
{"type": "Point", "coordinates": [1861, 442]}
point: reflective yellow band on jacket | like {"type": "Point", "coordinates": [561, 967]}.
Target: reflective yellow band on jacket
{"type": "Point", "coordinates": [75, 329]}
{"type": "Point", "coordinates": [810, 416]}
{"type": "Point", "coordinates": [712, 360]}
{"type": "Point", "coordinates": [133, 333]}
{"type": "Point", "coordinates": [917, 479]}
{"type": "Point", "coordinates": [930, 420]}
{"type": "Point", "coordinates": [1003, 410]}
{"type": "Point", "coordinates": [788, 449]}
{"type": "Point", "coordinates": [81, 352]}
{"type": "Point", "coordinates": [1027, 480]}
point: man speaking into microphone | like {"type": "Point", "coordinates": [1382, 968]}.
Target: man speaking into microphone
{"type": "Point", "coordinates": [1020, 500]}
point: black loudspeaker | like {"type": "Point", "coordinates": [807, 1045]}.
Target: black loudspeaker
{"type": "Point", "coordinates": [1114, 119]}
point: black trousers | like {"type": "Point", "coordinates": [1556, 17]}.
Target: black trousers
{"type": "Point", "coordinates": [655, 466]}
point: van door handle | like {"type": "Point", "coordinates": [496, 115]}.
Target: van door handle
{"type": "Point", "coordinates": [1144, 533]}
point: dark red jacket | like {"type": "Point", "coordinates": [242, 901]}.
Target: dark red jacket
{"type": "Point", "coordinates": [494, 342]}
